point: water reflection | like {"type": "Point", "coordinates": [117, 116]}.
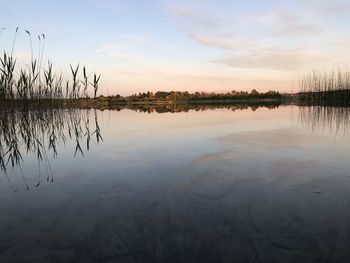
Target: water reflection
{"type": "Point", "coordinates": [215, 186]}
{"type": "Point", "coordinates": [334, 119]}
{"type": "Point", "coordinates": [39, 132]}
{"type": "Point", "coordinates": [172, 108]}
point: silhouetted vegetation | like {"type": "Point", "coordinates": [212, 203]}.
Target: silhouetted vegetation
{"type": "Point", "coordinates": [325, 88]}
{"type": "Point", "coordinates": [36, 82]}
{"type": "Point", "coordinates": [185, 96]}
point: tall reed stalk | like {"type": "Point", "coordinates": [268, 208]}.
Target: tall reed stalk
{"type": "Point", "coordinates": [34, 82]}
{"type": "Point", "coordinates": [325, 88]}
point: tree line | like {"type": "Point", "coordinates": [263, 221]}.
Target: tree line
{"type": "Point", "coordinates": [198, 96]}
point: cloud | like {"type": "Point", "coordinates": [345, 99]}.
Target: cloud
{"type": "Point", "coordinates": [123, 47]}
{"type": "Point", "coordinates": [196, 18]}
{"type": "Point", "coordinates": [123, 71]}
{"type": "Point", "coordinates": [270, 58]}
{"type": "Point", "coordinates": [112, 51]}
{"type": "Point", "coordinates": [138, 38]}
{"type": "Point", "coordinates": [289, 24]}
{"type": "Point", "coordinates": [288, 36]}
{"type": "Point", "coordinates": [328, 7]}
{"type": "Point", "coordinates": [218, 42]}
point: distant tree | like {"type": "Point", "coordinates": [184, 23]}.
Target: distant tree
{"type": "Point", "coordinates": [254, 93]}
{"type": "Point", "coordinates": [162, 94]}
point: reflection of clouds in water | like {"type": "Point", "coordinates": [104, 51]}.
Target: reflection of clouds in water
{"type": "Point", "coordinates": [286, 155]}
{"type": "Point", "coordinates": [216, 197]}
{"type": "Point", "coordinates": [243, 146]}
{"type": "Point", "coordinates": [217, 156]}
{"type": "Point", "coordinates": [282, 138]}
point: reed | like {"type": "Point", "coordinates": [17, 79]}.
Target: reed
{"type": "Point", "coordinates": [332, 88]}
{"type": "Point", "coordinates": [95, 84]}
{"type": "Point", "coordinates": [35, 82]}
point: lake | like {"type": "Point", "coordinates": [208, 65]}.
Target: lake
{"type": "Point", "coordinates": [203, 184]}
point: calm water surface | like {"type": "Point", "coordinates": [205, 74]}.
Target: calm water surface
{"type": "Point", "coordinates": [262, 185]}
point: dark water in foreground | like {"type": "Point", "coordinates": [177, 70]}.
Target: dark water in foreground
{"type": "Point", "coordinates": [269, 185]}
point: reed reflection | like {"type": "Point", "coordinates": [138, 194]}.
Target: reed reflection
{"type": "Point", "coordinates": [326, 118]}
{"type": "Point", "coordinates": [39, 133]}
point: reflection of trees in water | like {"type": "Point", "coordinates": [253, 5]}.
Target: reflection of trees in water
{"type": "Point", "coordinates": [39, 132]}
{"type": "Point", "coordinates": [164, 108]}
{"type": "Point", "coordinates": [186, 107]}
{"type": "Point", "coordinates": [333, 119]}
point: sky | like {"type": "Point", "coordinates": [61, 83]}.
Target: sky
{"type": "Point", "coordinates": [194, 45]}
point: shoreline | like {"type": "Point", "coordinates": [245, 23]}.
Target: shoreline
{"type": "Point", "coordinates": [110, 102]}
